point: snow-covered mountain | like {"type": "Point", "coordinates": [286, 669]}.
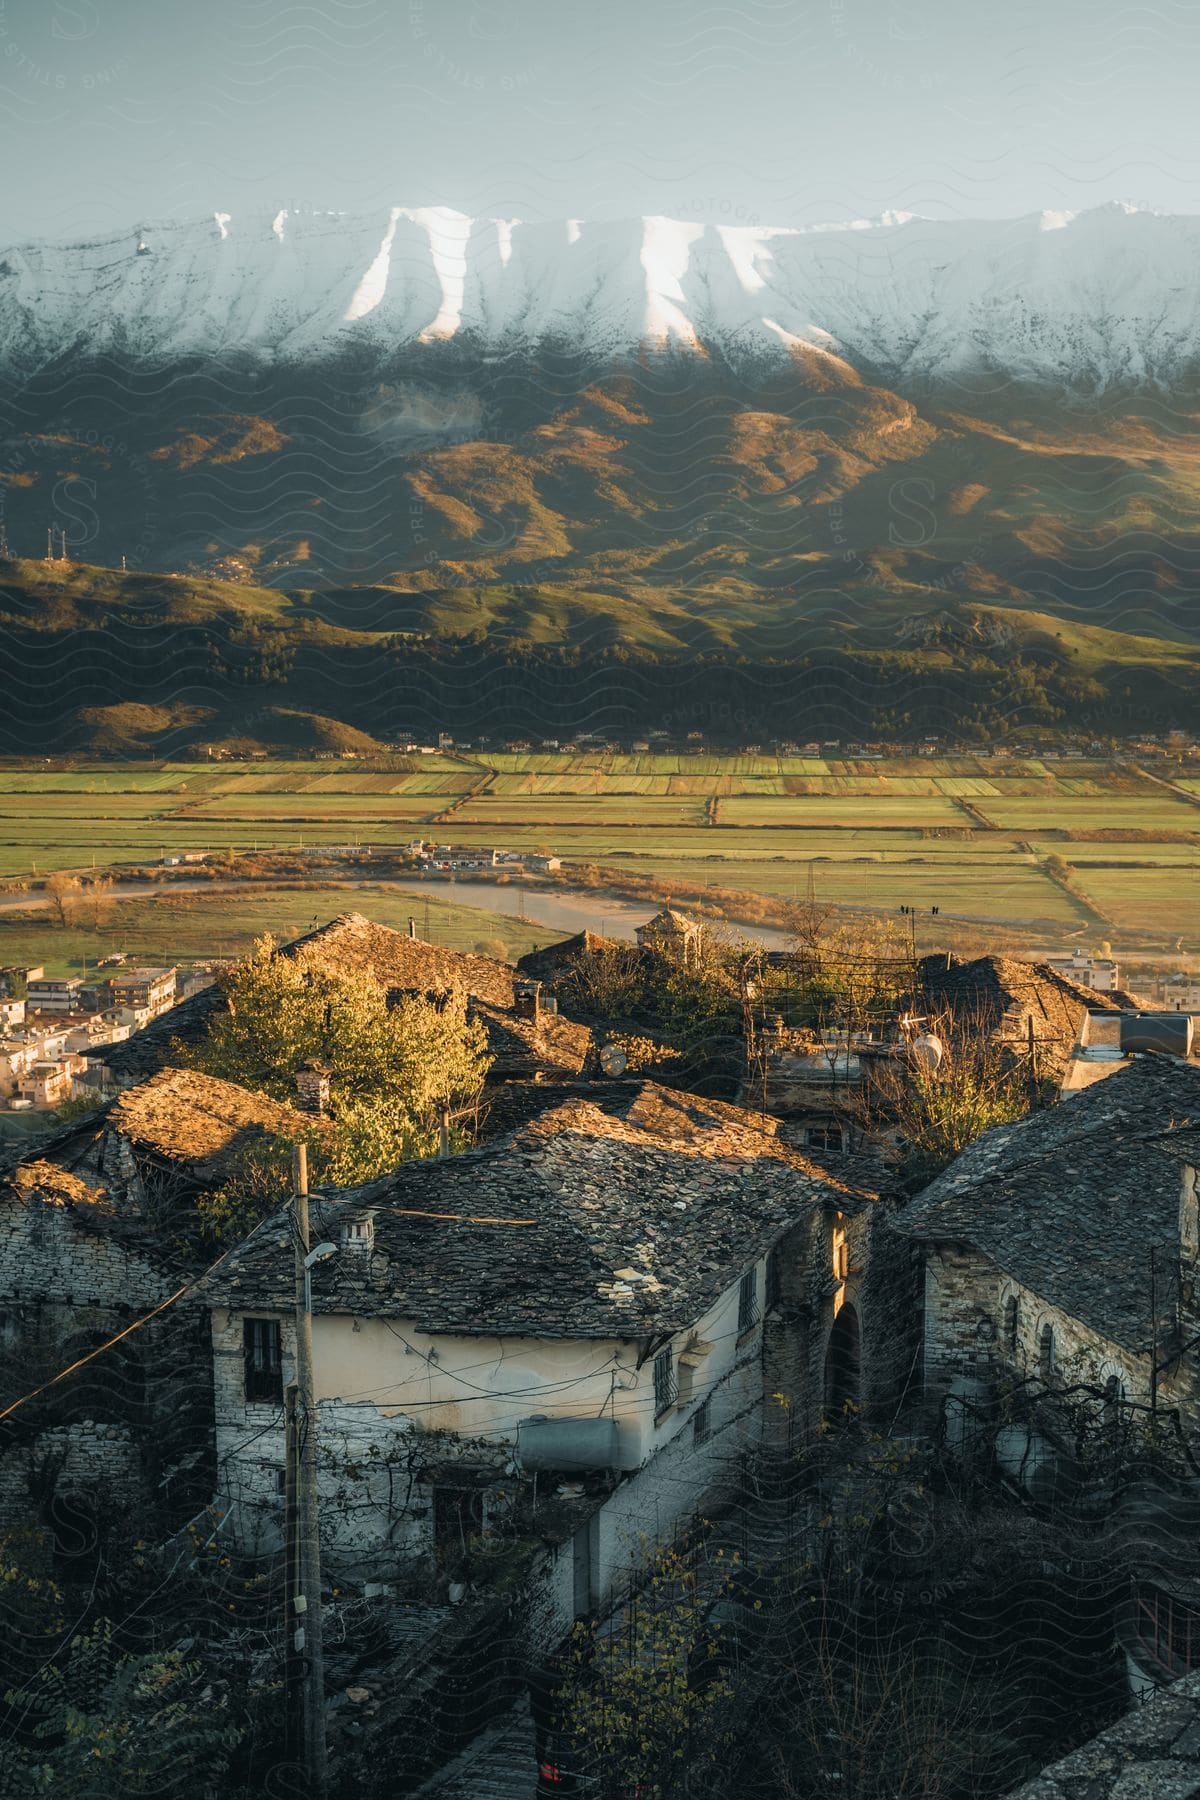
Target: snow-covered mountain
{"type": "Point", "coordinates": [1101, 298]}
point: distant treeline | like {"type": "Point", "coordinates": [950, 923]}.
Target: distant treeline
{"type": "Point", "coordinates": [397, 685]}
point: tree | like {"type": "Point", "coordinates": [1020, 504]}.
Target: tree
{"type": "Point", "coordinates": [62, 890]}
{"type": "Point", "coordinates": [98, 901]}
{"type": "Point", "coordinates": [630, 1701]}
{"type": "Point", "coordinates": [391, 1069]}
{"type": "Point", "coordinates": [938, 1111]}
{"type": "Point", "coordinates": [100, 1724]}
{"type": "Point", "coordinates": [608, 981]}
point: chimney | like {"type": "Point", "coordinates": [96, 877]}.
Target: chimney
{"type": "Point", "coordinates": [312, 1088]}
{"type": "Point", "coordinates": [527, 1000]}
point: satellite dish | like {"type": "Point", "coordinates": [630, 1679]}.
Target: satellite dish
{"type": "Point", "coordinates": [928, 1051]}
{"type": "Point", "coordinates": [613, 1059]}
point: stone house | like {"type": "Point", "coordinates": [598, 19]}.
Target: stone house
{"type": "Point", "coordinates": [1011, 1000]}
{"type": "Point", "coordinates": [826, 1086]}
{"type": "Point", "coordinates": [131, 1427]}
{"type": "Point", "coordinates": [180, 1134]}
{"type": "Point", "coordinates": [558, 1344]}
{"type": "Point", "coordinates": [1061, 1306]}
{"type": "Point", "coordinates": [1153, 1753]}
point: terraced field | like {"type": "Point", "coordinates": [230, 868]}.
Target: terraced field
{"type": "Point", "coordinates": [1055, 846]}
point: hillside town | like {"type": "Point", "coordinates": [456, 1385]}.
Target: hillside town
{"type": "Point", "coordinates": [487, 1366]}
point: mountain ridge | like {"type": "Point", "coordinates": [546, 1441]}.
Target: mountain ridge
{"type": "Point", "coordinates": [1101, 299]}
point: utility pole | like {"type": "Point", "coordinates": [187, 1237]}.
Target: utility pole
{"type": "Point", "coordinates": [293, 1666]}
{"type": "Point", "coordinates": [1033, 1083]}
{"type": "Point", "coordinates": [306, 1611]}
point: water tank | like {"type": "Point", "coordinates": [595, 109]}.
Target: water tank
{"type": "Point", "coordinates": [967, 1413]}
{"type": "Point", "coordinates": [588, 1443]}
{"type": "Point", "coordinates": [1170, 1034]}
{"type": "Point", "coordinates": [927, 1051]}
{"type": "Point", "coordinates": [1046, 1473]}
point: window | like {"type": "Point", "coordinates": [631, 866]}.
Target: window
{"type": "Point", "coordinates": [262, 1363]}
{"type": "Point", "coordinates": [1168, 1632]}
{"type": "Point", "coordinates": [664, 1382]}
{"type": "Point", "coordinates": [1114, 1400]}
{"type": "Point", "coordinates": [458, 1516]}
{"type": "Point", "coordinates": [841, 1254]}
{"type": "Point", "coordinates": [702, 1422]}
{"type": "Point", "coordinates": [748, 1301]}
{"type": "Point", "coordinates": [774, 1282]}
{"type": "Point", "coordinates": [1046, 1352]}
{"type": "Point", "coordinates": [823, 1137]}
{"type": "Point", "coordinates": [1012, 1324]}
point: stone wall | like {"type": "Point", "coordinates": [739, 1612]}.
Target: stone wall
{"type": "Point", "coordinates": [966, 1327]}
{"type": "Point", "coordinates": [828, 1263]}
{"type": "Point", "coordinates": [85, 1459]}
{"type": "Point", "coordinates": [48, 1254]}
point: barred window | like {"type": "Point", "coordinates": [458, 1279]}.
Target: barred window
{"type": "Point", "coordinates": [664, 1382]}
{"type": "Point", "coordinates": [748, 1301]}
{"type": "Point", "coordinates": [1046, 1357]}
{"type": "Point", "coordinates": [1012, 1324]}
{"type": "Point", "coordinates": [824, 1137]}
{"type": "Point", "coordinates": [262, 1361]}
{"type": "Point", "coordinates": [702, 1422]}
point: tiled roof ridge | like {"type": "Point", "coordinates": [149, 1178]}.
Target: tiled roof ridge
{"type": "Point", "coordinates": [204, 1093]}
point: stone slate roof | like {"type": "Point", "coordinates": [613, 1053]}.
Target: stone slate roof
{"type": "Point", "coordinates": [201, 1122]}
{"type": "Point", "coordinates": [1153, 1753]}
{"type": "Point", "coordinates": [1069, 1201]}
{"type": "Point", "coordinates": [558, 960]}
{"type": "Point", "coordinates": [47, 1181]}
{"type": "Point", "coordinates": [554, 1046]}
{"type": "Point", "coordinates": [353, 943]}
{"type": "Point", "coordinates": [621, 1216]}
{"type": "Point", "coordinates": [1000, 992]}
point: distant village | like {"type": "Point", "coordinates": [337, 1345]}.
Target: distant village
{"type": "Point", "coordinates": [662, 1289]}
{"type": "Point", "coordinates": [1059, 746]}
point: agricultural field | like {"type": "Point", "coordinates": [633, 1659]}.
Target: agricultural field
{"type": "Point", "coordinates": [1057, 846]}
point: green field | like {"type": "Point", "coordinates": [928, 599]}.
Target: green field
{"type": "Point", "coordinates": [195, 927]}
{"type": "Point", "coordinates": [983, 839]}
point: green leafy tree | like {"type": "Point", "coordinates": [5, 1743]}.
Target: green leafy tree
{"type": "Point", "coordinates": [391, 1071]}
{"type": "Point", "coordinates": [630, 1700]}
{"type": "Point", "coordinates": [100, 1724]}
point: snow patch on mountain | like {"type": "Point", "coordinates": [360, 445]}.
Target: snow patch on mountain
{"type": "Point", "coordinates": [1096, 298]}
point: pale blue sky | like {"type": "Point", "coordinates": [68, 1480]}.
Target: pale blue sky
{"type": "Point", "coordinates": [114, 111]}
